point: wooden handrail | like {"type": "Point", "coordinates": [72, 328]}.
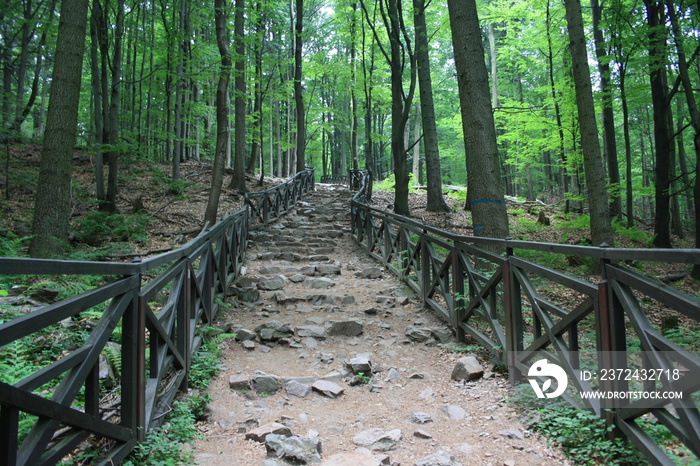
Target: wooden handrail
{"type": "Point", "coordinates": [157, 342]}
{"type": "Point", "coordinates": [504, 302]}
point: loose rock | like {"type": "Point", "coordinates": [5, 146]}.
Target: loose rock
{"type": "Point", "coordinates": [467, 368]}
{"type": "Point", "coordinates": [377, 439]}
{"type": "Point", "coordinates": [261, 433]}
{"type": "Point", "coordinates": [440, 458]}
{"type": "Point", "coordinates": [328, 388]}
{"type": "Point", "coordinates": [295, 449]}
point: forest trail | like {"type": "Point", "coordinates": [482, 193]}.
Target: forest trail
{"type": "Point", "coordinates": [315, 317]}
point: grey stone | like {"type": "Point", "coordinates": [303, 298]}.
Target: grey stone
{"type": "Point", "coordinates": [267, 334]}
{"type": "Point", "coordinates": [455, 412]}
{"type": "Point", "coordinates": [328, 388]}
{"type": "Point", "coordinates": [392, 374]}
{"type": "Point", "coordinates": [360, 363]}
{"type": "Point", "coordinates": [313, 331]}
{"type": "Point", "coordinates": [272, 270]}
{"type": "Point", "coordinates": [297, 278]}
{"type": "Point", "coordinates": [512, 434]}
{"type": "Point", "coordinates": [265, 383]}
{"type": "Point", "coordinates": [421, 418]}
{"type": "Point", "coordinates": [315, 320]}
{"type": "Point", "coordinates": [271, 284]}
{"type": "Point", "coordinates": [249, 344]}
{"type": "Point", "coordinates": [240, 382]}
{"type": "Point", "coordinates": [295, 449]}
{"type": "Point", "coordinates": [327, 269]}
{"type": "Point", "coordinates": [467, 368]}
{"type": "Point", "coordinates": [443, 335]}
{"type": "Point", "coordinates": [246, 295]}
{"type": "Point", "coordinates": [439, 458]}
{"type": "Point", "coordinates": [417, 334]}
{"type": "Point", "coordinates": [370, 273]}
{"type": "Point", "coordinates": [348, 299]}
{"type": "Point", "coordinates": [319, 283]}
{"type": "Point", "coordinates": [261, 433]}
{"type": "Point", "coordinates": [244, 334]}
{"type": "Point", "coordinates": [426, 393]}
{"type": "Point", "coordinates": [310, 342]}
{"type": "Point", "coordinates": [377, 439]}
{"type": "Point", "coordinates": [420, 433]}
{"type": "Point", "coordinates": [345, 328]}
{"type": "Point", "coordinates": [297, 389]}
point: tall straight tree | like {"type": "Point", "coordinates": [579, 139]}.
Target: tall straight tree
{"type": "Point", "coordinates": [662, 129]}
{"type": "Point", "coordinates": [601, 230]}
{"type": "Point", "coordinates": [609, 141]}
{"type": "Point", "coordinates": [483, 168]}
{"type": "Point", "coordinates": [436, 203]}
{"type": "Point", "coordinates": [298, 91]}
{"type": "Point", "coordinates": [399, 55]}
{"type": "Point", "coordinates": [238, 177]}
{"type": "Point", "coordinates": [222, 127]}
{"type": "Point", "coordinates": [52, 207]}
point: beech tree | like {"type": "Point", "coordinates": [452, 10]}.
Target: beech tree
{"type": "Point", "coordinates": [52, 206]}
{"type": "Point", "coordinates": [601, 230]}
{"type": "Point", "coordinates": [485, 184]}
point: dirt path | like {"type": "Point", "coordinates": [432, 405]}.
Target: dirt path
{"type": "Point", "coordinates": [322, 302]}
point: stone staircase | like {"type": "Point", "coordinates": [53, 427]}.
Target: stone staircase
{"type": "Point", "coordinates": [335, 362]}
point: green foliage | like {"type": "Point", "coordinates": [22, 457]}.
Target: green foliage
{"type": "Point", "coordinates": [363, 378]}
{"type": "Point", "coordinates": [388, 184]}
{"type": "Point", "coordinates": [12, 245]}
{"type": "Point", "coordinates": [632, 233]}
{"type": "Point", "coordinates": [581, 433]}
{"type": "Point", "coordinates": [205, 363]}
{"type": "Point", "coordinates": [578, 222]}
{"type": "Point", "coordinates": [163, 445]}
{"type": "Point", "coordinates": [101, 227]}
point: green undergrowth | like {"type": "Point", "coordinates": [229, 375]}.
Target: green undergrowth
{"type": "Point", "coordinates": [163, 445]}
{"type": "Point", "coordinates": [584, 437]}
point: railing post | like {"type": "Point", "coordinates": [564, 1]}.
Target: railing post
{"type": "Point", "coordinates": [424, 267]}
{"type": "Point", "coordinates": [457, 293]}
{"type": "Point", "coordinates": [9, 429]}
{"type": "Point", "coordinates": [134, 365]}
{"type": "Point", "coordinates": [514, 318]}
{"type": "Point", "coordinates": [611, 344]}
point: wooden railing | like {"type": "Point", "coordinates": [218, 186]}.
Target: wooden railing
{"type": "Point", "coordinates": [521, 310]}
{"type": "Point", "coordinates": [154, 309]}
{"type": "Point", "coordinates": [266, 206]}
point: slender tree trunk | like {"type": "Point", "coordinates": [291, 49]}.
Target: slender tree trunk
{"type": "Point", "coordinates": [222, 124]}
{"type": "Point", "coordinates": [52, 205]}
{"type": "Point", "coordinates": [436, 203]}
{"type": "Point", "coordinates": [238, 177]}
{"type": "Point", "coordinates": [114, 105]}
{"type": "Point", "coordinates": [662, 133]}
{"type": "Point", "coordinates": [298, 91]}
{"type": "Point", "coordinates": [485, 183]}
{"type": "Point", "coordinates": [609, 142]}
{"type": "Point", "coordinates": [557, 113]}
{"type": "Point", "coordinates": [601, 230]}
{"type": "Point", "coordinates": [97, 99]}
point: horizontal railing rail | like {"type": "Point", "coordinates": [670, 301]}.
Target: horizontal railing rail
{"type": "Point", "coordinates": [154, 309]}
{"type": "Point", "coordinates": [520, 310]}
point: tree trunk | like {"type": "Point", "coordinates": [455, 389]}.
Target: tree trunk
{"type": "Point", "coordinates": [97, 99]}
{"type": "Point", "coordinates": [298, 91]}
{"type": "Point", "coordinates": [238, 177]}
{"type": "Point", "coordinates": [485, 185]}
{"type": "Point", "coordinates": [222, 124]}
{"type": "Point", "coordinates": [608, 117]}
{"type": "Point", "coordinates": [112, 127]}
{"type": "Point", "coordinates": [436, 203]}
{"type": "Point", "coordinates": [694, 119]}
{"type": "Point", "coordinates": [662, 133]}
{"type": "Point", "coordinates": [52, 205]}
{"type": "Point", "coordinates": [601, 230]}
{"type": "Point", "coordinates": [557, 113]}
